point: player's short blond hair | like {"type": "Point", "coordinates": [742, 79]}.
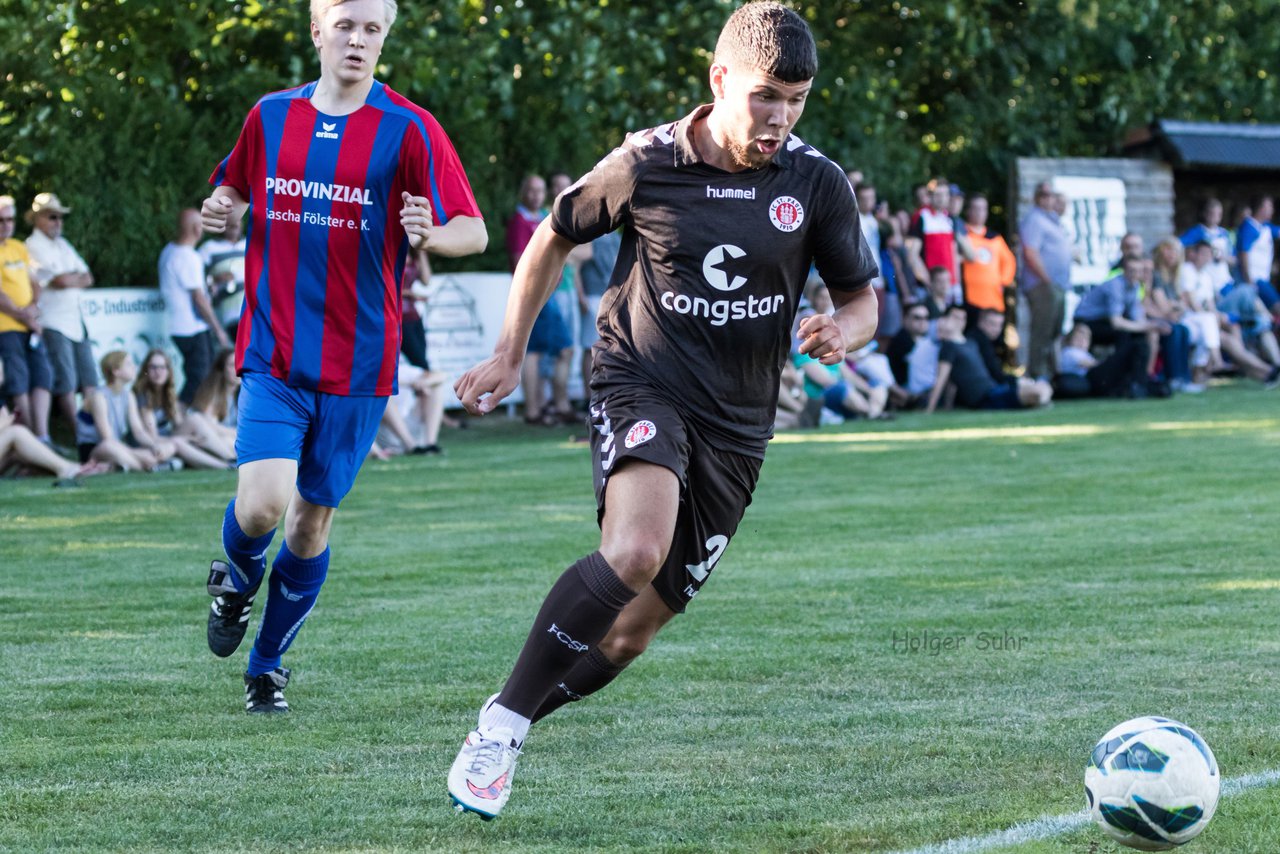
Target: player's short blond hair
{"type": "Point", "coordinates": [8, 202]}
{"type": "Point", "coordinates": [319, 7]}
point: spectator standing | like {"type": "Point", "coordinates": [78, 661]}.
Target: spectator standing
{"type": "Point", "coordinates": [223, 257]}
{"type": "Point", "coordinates": [936, 239]}
{"type": "Point", "coordinates": [62, 276]}
{"type": "Point", "coordinates": [193, 327]}
{"type": "Point", "coordinates": [550, 337]}
{"type": "Point", "coordinates": [28, 374]}
{"type": "Point", "coordinates": [595, 274]}
{"type": "Point", "coordinates": [1046, 276]}
{"type": "Point", "coordinates": [990, 274]}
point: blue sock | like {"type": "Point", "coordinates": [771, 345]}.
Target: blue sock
{"type": "Point", "coordinates": [247, 555]}
{"type": "Point", "coordinates": [291, 594]}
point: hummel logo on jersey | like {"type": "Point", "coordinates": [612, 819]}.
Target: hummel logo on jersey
{"type": "Point", "coordinates": [316, 190]}
{"type": "Point", "coordinates": [327, 131]}
{"type": "Point", "coordinates": [729, 193]}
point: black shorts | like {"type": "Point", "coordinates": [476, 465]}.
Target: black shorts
{"type": "Point", "coordinates": [715, 485]}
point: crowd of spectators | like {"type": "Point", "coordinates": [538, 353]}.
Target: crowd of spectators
{"type": "Point", "coordinates": [969, 319]}
{"type": "Point", "coordinates": [974, 321]}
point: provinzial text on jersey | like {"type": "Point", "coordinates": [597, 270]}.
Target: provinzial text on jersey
{"type": "Point", "coordinates": [317, 190]}
{"type": "Point", "coordinates": [721, 311]}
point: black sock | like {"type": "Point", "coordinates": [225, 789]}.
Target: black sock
{"type": "Point", "coordinates": [588, 676]}
{"type": "Point", "coordinates": [575, 616]}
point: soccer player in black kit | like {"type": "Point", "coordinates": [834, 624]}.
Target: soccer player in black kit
{"type": "Point", "coordinates": [722, 213]}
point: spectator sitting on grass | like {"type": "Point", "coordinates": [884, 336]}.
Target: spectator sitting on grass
{"type": "Point", "coordinates": [163, 421]}
{"type": "Point", "coordinates": [913, 354]}
{"type": "Point", "coordinates": [842, 391]}
{"type": "Point", "coordinates": [215, 405]}
{"type": "Point", "coordinates": [1197, 289]}
{"type": "Point", "coordinates": [417, 407]}
{"type": "Point", "coordinates": [961, 364]}
{"type": "Point", "coordinates": [107, 429]}
{"type": "Point", "coordinates": [1114, 314]}
{"type": "Point", "coordinates": [19, 446]}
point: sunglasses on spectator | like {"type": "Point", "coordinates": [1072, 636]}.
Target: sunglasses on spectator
{"type": "Point", "coordinates": [6, 219]}
{"type": "Point", "coordinates": [54, 217]}
{"type": "Point", "coordinates": [158, 366]}
{"type": "Point", "coordinates": [914, 316]}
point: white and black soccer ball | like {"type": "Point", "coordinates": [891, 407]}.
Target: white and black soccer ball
{"type": "Point", "coordinates": [1152, 783]}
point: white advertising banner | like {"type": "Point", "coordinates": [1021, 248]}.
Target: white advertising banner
{"type": "Point", "coordinates": [1095, 219]}
{"type": "Point", "coordinates": [130, 319]}
{"type": "Point", "coordinates": [462, 311]}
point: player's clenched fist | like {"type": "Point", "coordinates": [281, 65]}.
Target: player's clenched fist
{"type": "Point", "coordinates": [214, 213]}
{"type": "Point", "coordinates": [416, 219]}
{"type": "Point", "coordinates": [822, 339]}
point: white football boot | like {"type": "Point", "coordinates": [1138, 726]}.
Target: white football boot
{"type": "Point", "coordinates": [480, 779]}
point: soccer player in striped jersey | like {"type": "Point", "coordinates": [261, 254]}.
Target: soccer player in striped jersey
{"type": "Point", "coordinates": [341, 177]}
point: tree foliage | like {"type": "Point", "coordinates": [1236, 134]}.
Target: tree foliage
{"type": "Point", "coordinates": [124, 107]}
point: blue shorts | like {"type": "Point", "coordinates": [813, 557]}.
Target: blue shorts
{"type": "Point", "coordinates": [328, 435]}
{"type": "Point", "coordinates": [550, 333]}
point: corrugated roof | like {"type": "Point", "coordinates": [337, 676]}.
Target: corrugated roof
{"type": "Point", "coordinates": [1238, 146]}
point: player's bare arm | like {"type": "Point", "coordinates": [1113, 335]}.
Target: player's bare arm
{"type": "Point", "coordinates": [462, 235]}
{"type": "Point", "coordinates": [224, 203]}
{"type": "Point", "coordinates": [828, 337]}
{"type": "Point", "coordinates": [536, 277]}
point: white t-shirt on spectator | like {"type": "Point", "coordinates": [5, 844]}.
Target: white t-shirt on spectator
{"type": "Point", "coordinates": [59, 307]}
{"type": "Point", "coordinates": [181, 273]}
{"type": "Point", "coordinates": [1203, 285]}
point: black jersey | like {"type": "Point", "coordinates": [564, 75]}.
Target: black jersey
{"type": "Point", "coordinates": [710, 272]}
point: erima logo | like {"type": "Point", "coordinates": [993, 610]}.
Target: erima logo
{"type": "Point", "coordinates": [327, 131]}
{"type": "Point", "coordinates": [729, 193]}
{"type": "Point", "coordinates": [316, 190]}
{"type": "Point", "coordinates": [716, 277]}
{"type": "Point", "coordinates": [292, 597]}
{"type": "Point", "coordinates": [566, 640]}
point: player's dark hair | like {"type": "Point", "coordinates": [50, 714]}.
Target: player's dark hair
{"type": "Point", "coordinates": [769, 37]}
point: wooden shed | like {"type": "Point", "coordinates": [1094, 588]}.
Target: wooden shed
{"type": "Point", "coordinates": [1229, 162]}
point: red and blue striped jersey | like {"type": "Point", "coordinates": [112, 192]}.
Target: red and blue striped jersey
{"type": "Point", "coordinates": [326, 250]}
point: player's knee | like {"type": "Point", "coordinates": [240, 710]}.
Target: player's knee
{"type": "Point", "coordinates": [636, 563]}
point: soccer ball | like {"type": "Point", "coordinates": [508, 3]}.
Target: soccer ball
{"type": "Point", "coordinates": [1152, 783]}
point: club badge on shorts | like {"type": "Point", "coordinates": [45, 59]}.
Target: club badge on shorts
{"type": "Point", "coordinates": [786, 213]}
{"type": "Point", "coordinates": [640, 432]}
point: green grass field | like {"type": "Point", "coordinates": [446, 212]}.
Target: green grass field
{"type": "Point", "coordinates": [1128, 547]}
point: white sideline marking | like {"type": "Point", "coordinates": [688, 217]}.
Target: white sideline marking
{"type": "Point", "coordinates": [1054, 825]}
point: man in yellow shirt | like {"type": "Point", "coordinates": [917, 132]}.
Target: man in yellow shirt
{"type": "Point", "coordinates": [28, 375]}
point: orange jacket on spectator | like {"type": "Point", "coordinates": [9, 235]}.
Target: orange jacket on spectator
{"type": "Point", "coordinates": [986, 278]}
